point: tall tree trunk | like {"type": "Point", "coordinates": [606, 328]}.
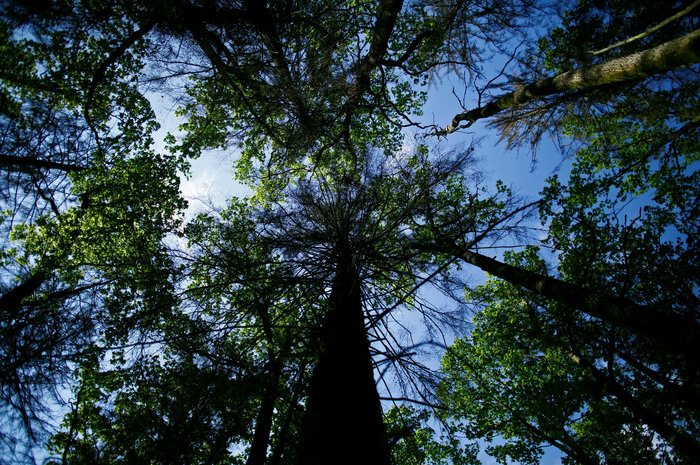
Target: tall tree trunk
{"type": "Point", "coordinates": [263, 421]}
{"type": "Point", "coordinates": [343, 419]}
{"type": "Point", "coordinates": [672, 333]}
{"type": "Point", "coordinates": [674, 54]}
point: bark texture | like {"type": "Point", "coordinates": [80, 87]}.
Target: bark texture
{"type": "Point", "coordinates": [677, 53]}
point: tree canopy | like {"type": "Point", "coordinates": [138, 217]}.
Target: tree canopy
{"type": "Point", "coordinates": [294, 325]}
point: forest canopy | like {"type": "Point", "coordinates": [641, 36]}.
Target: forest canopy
{"type": "Point", "coordinates": [328, 315]}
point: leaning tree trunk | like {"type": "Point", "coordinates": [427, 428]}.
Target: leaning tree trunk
{"type": "Point", "coordinates": [12, 300]}
{"type": "Point", "coordinates": [343, 419]}
{"type": "Point", "coordinates": [270, 382]}
{"type": "Point", "coordinates": [674, 334]}
{"type": "Point", "coordinates": [677, 53]}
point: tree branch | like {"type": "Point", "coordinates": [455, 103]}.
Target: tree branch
{"type": "Point", "coordinates": [387, 12]}
{"type": "Point", "coordinates": [12, 160]}
{"type": "Point", "coordinates": [411, 48]}
{"type": "Point", "coordinates": [272, 42]}
{"type": "Point", "coordinates": [111, 59]}
{"type": "Point", "coordinates": [677, 53]}
{"type": "Point", "coordinates": [651, 29]}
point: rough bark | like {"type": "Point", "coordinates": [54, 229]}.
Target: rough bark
{"type": "Point", "coordinates": [343, 419]}
{"type": "Point", "coordinates": [655, 28]}
{"type": "Point", "coordinates": [677, 53]}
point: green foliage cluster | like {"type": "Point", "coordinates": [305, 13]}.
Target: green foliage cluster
{"type": "Point", "coordinates": [415, 443]}
{"type": "Point", "coordinates": [166, 410]}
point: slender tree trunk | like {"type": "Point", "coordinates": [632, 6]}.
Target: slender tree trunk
{"type": "Point", "coordinates": [263, 421]}
{"type": "Point", "coordinates": [682, 442]}
{"type": "Point", "coordinates": [674, 334]}
{"type": "Point", "coordinates": [387, 13]}
{"type": "Point", "coordinates": [343, 419]}
{"type": "Point", "coordinates": [677, 53]}
{"type": "Point", "coordinates": [683, 393]}
{"type": "Point", "coordinates": [652, 29]}
{"type": "Point", "coordinates": [284, 439]}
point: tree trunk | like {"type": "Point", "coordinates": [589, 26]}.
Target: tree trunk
{"type": "Point", "coordinates": [674, 334]}
{"type": "Point", "coordinates": [343, 419]}
{"type": "Point", "coordinates": [387, 13]}
{"type": "Point", "coordinates": [263, 421]}
{"type": "Point", "coordinates": [677, 53]}
{"type": "Point", "coordinates": [685, 393]}
{"type": "Point", "coordinates": [11, 301]}
{"type": "Point", "coordinates": [35, 163]}
{"type": "Point", "coordinates": [682, 442]}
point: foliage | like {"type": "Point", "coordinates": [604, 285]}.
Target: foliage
{"type": "Point", "coordinates": [587, 28]}
{"type": "Point", "coordinates": [628, 213]}
{"type": "Point", "coordinates": [86, 200]}
{"type": "Point", "coordinates": [201, 342]}
{"type": "Point", "coordinates": [166, 411]}
{"type": "Point", "coordinates": [623, 221]}
{"type": "Point", "coordinates": [507, 380]}
{"type": "Point", "coordinates": [415, 443]}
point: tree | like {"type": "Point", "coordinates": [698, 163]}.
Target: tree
{"type": "Point", "coordinates": [507, 379]}
{"type": "Point", "coordinates": [674, 54]}
{"type": "Point", "coordinates": [624, 218]}
{"type": "Point", "coordinates": [285, 303]}
{"type": "Point", "coordinates": [673, 334]}
{"type": "Point", "coordinates": [588, 73]}
{"type": "Point", "coordinates": [348, 239]}
{"type": "Point", "coordinates": [236, 285]}
{"type": "Point", "coordinates": [81, 250]}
